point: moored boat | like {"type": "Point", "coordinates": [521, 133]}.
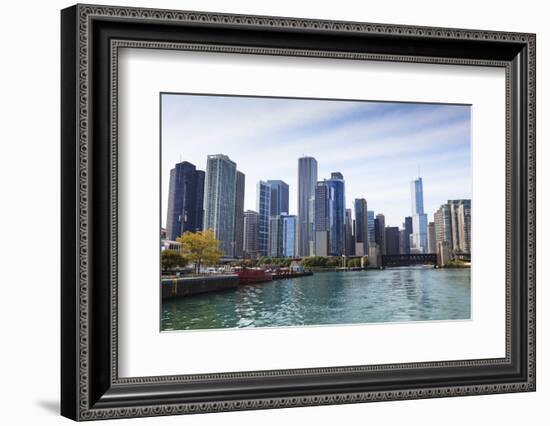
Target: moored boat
{"type": "Point", "coordinates": [253, 276]}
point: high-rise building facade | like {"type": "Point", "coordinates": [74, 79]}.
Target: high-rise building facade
{"type": "Point", "coordinates": [185, 200]}
{"type": "Point", "coordinates": [361, 225]}
{"type": "Point", "coordinates": [321, 215]}
{"type": "Point", "coordinates": [307, 179]}
{"type": "Point", "coordinates": [404, 242]}
{"type": "Point", "coordinates": [219, 200]}
{"type": "Point", "coordinates": [453, 224]}
{"type": "Point", "coordinates": [330, 207]}
{"type": "Point", "coordinates": [279, 197]}
{"type": "Point", "coordinates": [461, 225]}
{"type": "Point", "coordinates": [392, 240]}
{"type": "Point", "coordinates": [419, 243]}
{"type": "Point", "coordinates": [442, 224]}
{"type": "Point", "coordinates": [406, 236]}
{"type": "Point", "coordinates": [337, 214]}
{"type": "Point", "coordinates": [276, 236]}
{"type": "Point", "coordinates": [263, 206]}
{"type": "Point", "coordinates": [380, 233]}
{"type": "Point", "coordinates": [370, 226]}
{"type": "Point", "coordinates": [239, 214]}
{"type": "Point", "coordinates": [465, 225]}
{"type": "Point", "coordinates": [250, 234]}
{"type": "Point", "coordinates": [289, 235]}
{"type": "Point", "coordinates": [349, 237]}
{"type": "Point", "coordinates": [432, 244]}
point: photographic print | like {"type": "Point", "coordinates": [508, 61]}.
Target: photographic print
{"type": "Point", "coordinates": [279, 212]}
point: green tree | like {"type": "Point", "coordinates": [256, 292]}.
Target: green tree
{"type": "Point", "coordinates": [200, 247]}
{"type": "Point", "coordinates": [334, 262]}
{"type": "Point", "coordinates": [315, 261]}
{"type": "Point", "coordinates": [171, 259]}
{"type": "Point", "coordinates": [354, 262]}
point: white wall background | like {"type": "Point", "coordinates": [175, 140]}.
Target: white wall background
{"type": "Point", "coordinates": [29, 223]}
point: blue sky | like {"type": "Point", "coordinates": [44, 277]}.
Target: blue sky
{"type": "Point", "coordinates": [379, 147]}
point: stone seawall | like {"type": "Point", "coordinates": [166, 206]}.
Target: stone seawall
{"type": "Point", "coordinates": [181, 287]}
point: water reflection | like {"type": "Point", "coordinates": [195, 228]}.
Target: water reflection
{"type": "Point", "coordinates": [400, 294]}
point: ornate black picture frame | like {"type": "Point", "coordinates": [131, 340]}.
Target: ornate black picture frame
{"type": "Point", "coordinates": [91, 36]}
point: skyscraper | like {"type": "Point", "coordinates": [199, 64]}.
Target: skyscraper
{"type": "Point", "coordinates": [350, 239]}
{"type": "Point", "coordinates": [219, 200]}
{"type": "Point", "coordinates": [289, 235]}
{"type": "Point", "coordinates": [239, 214]}
{"type": "Point", "coordinates": [460, 213]}
{"type": "Point", "coordinates": [404, 242]}
{"type": "Point", "coordinates": [380, 232]}
{"type": "Point", "coordinates": [442, 222]}
{"type": "Point", "coordinates": [337, 214]}
{"type": "Point", "coordinates": [419, 243]}
{"type": "Point", "coordinates": [453, 222]}
{"type": "Point", "coordinates": [465, 224]}
{"type": "Point", "coordinates": [392, 240]}
{"type": "Point", "coordinates": [431, 238]}
{"type": "Point", "coordinates": [321, 215]}
{"type": "Point", "coordinates": [250, 234]}
{"type": "Point", "coordinates": [361, 226]}
{"type": "Point", "coordinates": [407, 236]}
{"type": "Point", "coordinates": [282, 235]}
{"type": "Point", "coordinates": [263, 205]}
{"type": "Point", "coordinates": [370, 226]}
{"type": "Point", "coordinates": [279, 197]}
{"type": "Point", "coordinates": [307, 179]}
{"type": "Point", "coordinates": [185, 200]}
{"type": "Point", "coordinates": [330, 216]}
{"type": "Point", "coordinates": [275, 243]}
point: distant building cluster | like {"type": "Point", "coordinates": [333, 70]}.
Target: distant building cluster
{"type": "Point", "coordinates": [214, 199]}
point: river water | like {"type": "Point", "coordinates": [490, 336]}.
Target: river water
{"type": "Point", "coordinates": [373, 296]}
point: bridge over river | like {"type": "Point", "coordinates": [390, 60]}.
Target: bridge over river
{"type": "Point", "coordinates": [392, 260]}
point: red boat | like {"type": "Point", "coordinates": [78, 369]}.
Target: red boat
{"type": "Point", "coordinates": [253, 276]}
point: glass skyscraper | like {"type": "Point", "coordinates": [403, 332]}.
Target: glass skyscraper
{"type": "Point", "coordinates": [307, 179]}
{"type": "Point", "coordinates": [219, 200]}
{"type": "Point", "coordinates": [350, 240]}
{"type": "Point", "coordinates": [370, 226]}
{"type": "Point", "coordinates": [275, 244]}
{"type": "Point", "coordinates": [330, 211]}
{"type": "Point", "coordinates": [279, 196]}
{"type": "Point", "coordinates": [419, 243]}
{"type": "Point", "coordinates": [321, 215]}
{"type": "Point", "coordinates": [289, 235]}
{"type": "Point", "coordinates": [361, 226]}
{"type": "Point", "coordinates": [407, 235]}
{"type": "Point", "coordinates": [185, 200]}
{"type": "Point", "coordinates": [263, 206]}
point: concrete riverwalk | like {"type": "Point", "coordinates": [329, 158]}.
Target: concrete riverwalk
{"type": "Point", "coordinates": [187, 286]}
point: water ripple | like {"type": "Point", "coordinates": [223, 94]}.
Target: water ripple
{"type": "Point", "coordinates": [400, 294]}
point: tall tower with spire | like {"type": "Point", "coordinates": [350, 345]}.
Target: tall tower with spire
{"type": "Point", "coordinates": [419, 236]}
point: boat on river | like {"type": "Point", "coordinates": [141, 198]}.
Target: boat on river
{"type": "Point", "coordinates": [253, 275]}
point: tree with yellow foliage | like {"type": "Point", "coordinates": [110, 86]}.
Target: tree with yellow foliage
{"type": "Point", "coordinates": [200, 247]}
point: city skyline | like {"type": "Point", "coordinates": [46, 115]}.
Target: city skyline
{"type": "Point", "coordinates": [387, 191]}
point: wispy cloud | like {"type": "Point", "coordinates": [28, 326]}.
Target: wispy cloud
{"type": "Point", "coordinates": [377, 146]}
